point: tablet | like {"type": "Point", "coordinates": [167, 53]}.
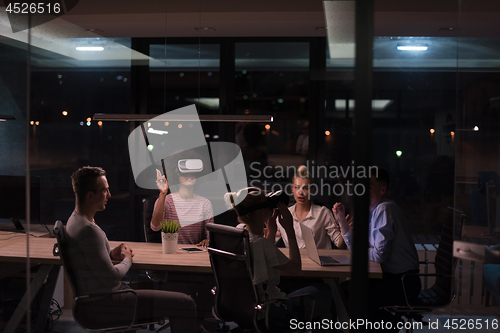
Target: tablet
{"type": "Point", "coordinates": [192, 249]}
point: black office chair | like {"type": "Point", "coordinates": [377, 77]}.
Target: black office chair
{"type": "Point", "coordinates": [236, 297]}
{"type": "Point", "coordinates": [444, 290]}
{"type": "Point", "coordinates": [113, 323]}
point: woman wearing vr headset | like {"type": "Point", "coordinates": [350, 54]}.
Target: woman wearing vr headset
{"type": "Point", "coordinates": [320, 219]}
{"type": "Point", "coordinates": [256, 212]}
{"type": "Point", "coordinates": [191, 210]}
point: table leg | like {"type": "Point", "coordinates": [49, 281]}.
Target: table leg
{"type": "Point", "coordinates": [21, 309]}
{"type": "Point", "coordinates": [340, 301]}
{"type": "Point", "coordinates": [48, 293]}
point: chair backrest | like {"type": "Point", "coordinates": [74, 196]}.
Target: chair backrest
{"type": "Point", "coordinates": [147, 213]}
{"type": "Point", "coordinates": [61, 250]}
{"type": "Point", "coordinates": [491, 205]}
{"type": "Point", "coordinates": [230, 257]}
{"type": "Point", "coordinates": [445, 262]}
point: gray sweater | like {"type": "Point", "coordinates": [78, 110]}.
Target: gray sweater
{"type": "Point", "coordinates": [89, 253]}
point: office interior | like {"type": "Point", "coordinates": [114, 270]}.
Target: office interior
{"type": "Point", "coordinates": [433, 124]}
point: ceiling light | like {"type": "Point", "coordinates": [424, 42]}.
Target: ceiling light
{"type": "Point", "coordinates": [97, 31]}
{"type": "Point", "coordinates": [205, 29]}
{"type": "Point", "coordinates": [207, 102]}
{"type": "Point", "coordinates": [412, 48]}
{"type": "Point", "coordinates": [448, 29]}
{"type": "Point", "coordinates": [377, 104]}
{"type": "Point", "coordinates": [153, 131]}
{"type": "Point", "coordinates": [90, 48]}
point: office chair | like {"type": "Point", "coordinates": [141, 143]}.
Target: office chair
{"type": "Point", "coordinates": [236, 297]}
{"type": "Point", "coordinates": [444, 290]}
{"type": "Point", "coordinates": [114, 323]}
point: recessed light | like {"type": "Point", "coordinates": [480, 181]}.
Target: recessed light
{"type": "Point", "coordinates": [204, 29]}
{"type": "Point", "coordinates": [89, 48]}
{"type": "Point", "coordinates": [412, 48]}
{"type": "Point", "coordinates": [448, 29]}
{"type": "Point", "coordinates": [97, 31]}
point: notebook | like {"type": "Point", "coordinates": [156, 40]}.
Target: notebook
{"type": "Point", "coordinates": [312, 251]}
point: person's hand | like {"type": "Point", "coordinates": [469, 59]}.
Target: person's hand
{"type": "Point", "coordinates": [126, 252]}
{"type": "Point", "coordinates": [203, 243]}
{"type": "Point", "coordinates": [350, 220]}
{"type": "Point", "coordinates": [271, 226]}
{"type": "Point", "coordinates": [339, 211]}
{"type": "Point", "coordinates": [285, 217]}
{"type": "Point", "coordinates": [115, 254]}
{"type": "Point", "coordinates": [162, 185]}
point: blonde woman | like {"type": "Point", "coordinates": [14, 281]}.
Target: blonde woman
{"type": "Point", "coordinates": [268, 260]}
{"type": "Point", "coordinates": [320, 219]}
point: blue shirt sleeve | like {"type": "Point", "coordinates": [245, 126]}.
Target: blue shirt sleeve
{"type": "Point", "coordinates": [381, 234]}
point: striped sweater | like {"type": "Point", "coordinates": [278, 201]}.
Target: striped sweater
{"type": "Point", "coordinates": [193, 215]}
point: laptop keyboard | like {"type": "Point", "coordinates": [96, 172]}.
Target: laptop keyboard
{"type": "Point", "coordinates": [327, 260]}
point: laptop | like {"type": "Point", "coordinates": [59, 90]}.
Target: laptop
{"type": "Point", "coordinates": [312, 251]}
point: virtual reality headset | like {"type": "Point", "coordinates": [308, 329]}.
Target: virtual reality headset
{"type": "Point", "coordinates": [191, 165]}
{"type": "Point", "coordinates": [271, 202]}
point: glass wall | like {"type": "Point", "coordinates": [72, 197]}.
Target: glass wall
{"type": "Point", "coordinates": [434, 110]}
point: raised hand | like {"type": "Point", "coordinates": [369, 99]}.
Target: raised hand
{"type": "Point", "coordinates": [350, 220]}
{"type": "Point", "coordinates": [161, 182]}
{"type": "Point", "coordinates": [271, 227]}
{"type": "Point", "coordinates": [338, 211]}
{"type": "Point", "coordinates": [285, 217]}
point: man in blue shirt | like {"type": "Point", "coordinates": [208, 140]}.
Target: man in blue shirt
{"type": "Point", "coordinates": [391, 245]}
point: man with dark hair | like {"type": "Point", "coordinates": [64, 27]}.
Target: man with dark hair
{"type": "Point", "coordinates": [85, 180]}
{"type": "Point", "coordinates": [92, 257]}
{"type": "Point", "coordinates": [391, 245]}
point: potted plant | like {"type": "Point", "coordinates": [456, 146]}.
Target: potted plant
{"type": "Point", "coordinates": [169, 235]}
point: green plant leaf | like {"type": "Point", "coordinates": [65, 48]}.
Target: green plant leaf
{"type": "Point", "coordinates": [170, 226]}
